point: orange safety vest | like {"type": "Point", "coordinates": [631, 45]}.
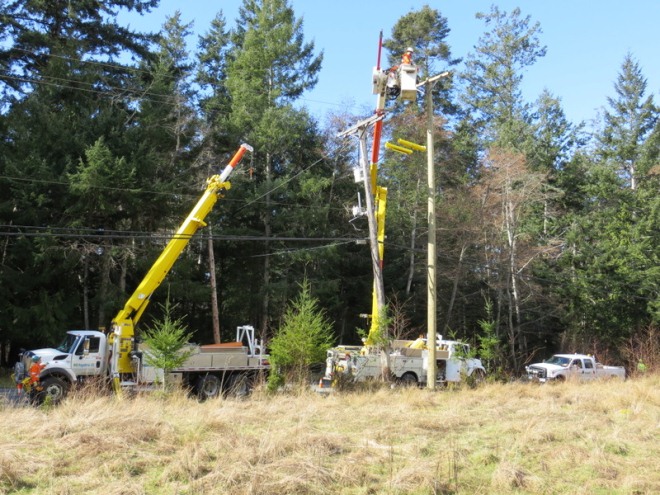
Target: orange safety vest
{"type": "Point", "coordinates": [406, 58]}
{"type": "Point", "coordinates": [35, 371]}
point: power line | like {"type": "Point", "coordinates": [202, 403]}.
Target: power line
{"type": "Point", "coordinates": [91, 233]}
{"type": "Point", "coordinates": [159, 97]}
{"type": "Point", "coordinates": [76, 85]}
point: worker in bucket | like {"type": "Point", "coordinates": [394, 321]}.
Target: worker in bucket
{"type": "Point", "coordinates": [406, 58]}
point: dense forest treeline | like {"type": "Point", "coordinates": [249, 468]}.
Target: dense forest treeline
{"type": "Point", "coordinates": [548, 232]}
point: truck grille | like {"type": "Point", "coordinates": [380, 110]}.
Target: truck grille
{"type": "Point", "coordinates": [534, 372]}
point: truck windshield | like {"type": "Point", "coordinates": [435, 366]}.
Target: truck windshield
{"type": "Point", "coordinates": [68, 344]}
{"type": "Point", "coordinates": [561, 361]}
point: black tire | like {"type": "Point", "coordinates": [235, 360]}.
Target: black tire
{"type": "Point", "coordinates": [240, 385]}
{"type": "Point", "coordinates": [54, 389]}
{"type": "Point", "coordinates": [409, 379]}
{"type": "Point", "coordinates": [208, 387]}
{"type": "Point", "coordinates": [478, 376]}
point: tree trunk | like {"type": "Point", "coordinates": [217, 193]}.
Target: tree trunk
{"type": "Point", "coordinates": [265, 301]}
{"type": "Point", "coordinates": [413, 237]}
{"type": "Point", "coordinates": [85, 290]}
{"type": "Point", "coordinates": [106, 264]}
{"type": "Point", "coordinates": [454, 288]}
{"type": "Point", "coordinates": [514, 300]}
{"type": "Point", "coordinates": [214, 290]}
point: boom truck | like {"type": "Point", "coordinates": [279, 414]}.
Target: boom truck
{"type": "Point", "coordinates": [408, 361]}
{"type": "Point", "coordinates": [120, 357]}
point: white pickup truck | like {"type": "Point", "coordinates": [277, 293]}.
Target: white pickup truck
{"type": "Point", "coordinates": [561, 367]}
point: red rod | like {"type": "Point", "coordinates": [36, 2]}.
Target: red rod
{"type": "Point", "coordinates": [380, 49]}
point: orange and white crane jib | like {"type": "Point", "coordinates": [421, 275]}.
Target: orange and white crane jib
{"type": "Point", "coordinates": [235, 161]}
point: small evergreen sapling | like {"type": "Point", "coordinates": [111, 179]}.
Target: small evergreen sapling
{"type": "Point", "coordinates": [166, 341]}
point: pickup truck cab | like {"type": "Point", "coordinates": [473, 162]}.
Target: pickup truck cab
{"type": "Point", "coordinates": [572, 366]}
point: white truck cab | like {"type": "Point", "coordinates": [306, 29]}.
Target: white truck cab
{"type": "Point", "coordinates": [81, 354]}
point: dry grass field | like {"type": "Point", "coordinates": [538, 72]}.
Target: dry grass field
{"type": "Point", "coordinates": [596, 438]}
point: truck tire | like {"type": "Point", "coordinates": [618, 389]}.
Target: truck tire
{"type": "Point", "coordinates": [240, 385]}
{"type": "Point", "coordinates": [208, 387]}
{"type": "Point", "coordinates": [409, 379]}
{"type": "Point", "coordinates": [54, 390]}
{"type": "Point", "coordinates": [478, 376]}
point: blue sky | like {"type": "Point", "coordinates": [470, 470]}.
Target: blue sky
{"type": "Point", "coordinates": [586, 43]}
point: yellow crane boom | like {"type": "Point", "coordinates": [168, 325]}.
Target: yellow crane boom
{"type": "Point", "coordinates": [123, 325]}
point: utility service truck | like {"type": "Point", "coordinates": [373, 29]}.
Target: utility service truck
{"type": "Point", "coordinates": [408, 362]}
{"type": "Point", "coordinates": [561, 367]}
{"type": "Point", "coordinates": [119, 356]}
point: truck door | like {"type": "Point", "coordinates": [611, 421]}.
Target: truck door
{"type": "Point", "coordinates": [87, 359]}
{"type": "Point", "coordinates": [588, 370]}
{"type": "Point", "coordinates": [576, 369]}
{"type": "Point", "coordinates": [453, 368]}
{"type": "Point", "coordinates": [456, 364]}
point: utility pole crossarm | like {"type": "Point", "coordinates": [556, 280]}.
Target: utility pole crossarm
{"type": "Point", "coordinates": [361, 125]}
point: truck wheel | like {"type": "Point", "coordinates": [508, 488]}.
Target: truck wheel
{"type": "Point", "coordinates": [240, 386]}
{"type": "Point", "coordinates": [208, 387]}
{"type": "Point", "coordinates": [409, 379]}
{"type": "Point", "coordinates": [54, 390]}
{"type": "Point", "coordinates": [478, 377]}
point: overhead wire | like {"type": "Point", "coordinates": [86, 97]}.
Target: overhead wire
{"type": "Point", "coordinates": [84, 86]}
{"type": "Point", "coordinates": [157, 97]}
{"type": "Point", "coordinates": [69, 232]}
{"type": "Point", "coordinates": [189, 195]}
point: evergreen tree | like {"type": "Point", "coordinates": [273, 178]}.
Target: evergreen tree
{"type": "Point", "coordinates": [607, 273]}
{"type": "Point", "coordinates": [426, 31]}
{"type": "Point", "coordinates": [213, 59]}
{"type": "Point", "coordinates": [493, 76]}
{"type": "Point", "coordinates": [301, 341]}
{"type": "Point", "coordinates": [554, 139]}
{"type": "Point", "coordinates": [628, 125]}
{"type": "Point", "coordinates": [166, 342]}
{"type": "Point", "coordinates": [37, 32]}
{"type": "Point", "coordinates": [59, 101]}
{"type": "Point", "coordinates": [271, 66]}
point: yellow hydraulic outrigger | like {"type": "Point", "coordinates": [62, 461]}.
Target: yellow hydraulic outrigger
{"type": "Point", "coordinates": [122, 334]}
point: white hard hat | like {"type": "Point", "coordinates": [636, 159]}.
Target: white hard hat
{"type": "Point", "coordinates": [409, 49]}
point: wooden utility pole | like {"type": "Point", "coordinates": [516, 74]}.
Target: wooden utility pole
{"type": "Point", "coordinates": [379, 284]}
{"type": "Point", "coordinates": [214, 290]}
{"type": "Point", "coordinates": [431, 310]}
{"type": "Point", "coordinates": [372, 193]}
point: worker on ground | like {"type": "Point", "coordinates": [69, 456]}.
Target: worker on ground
{"type": "Point", "coordinates": [641, 366]}
{"type": "Point", "coordinates": [406, 58]}
{"type": "Point", "coordinates": [35, 372]}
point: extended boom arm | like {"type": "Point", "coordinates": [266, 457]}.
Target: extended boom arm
{"type": "Point", "coordinates": [123, 325]}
